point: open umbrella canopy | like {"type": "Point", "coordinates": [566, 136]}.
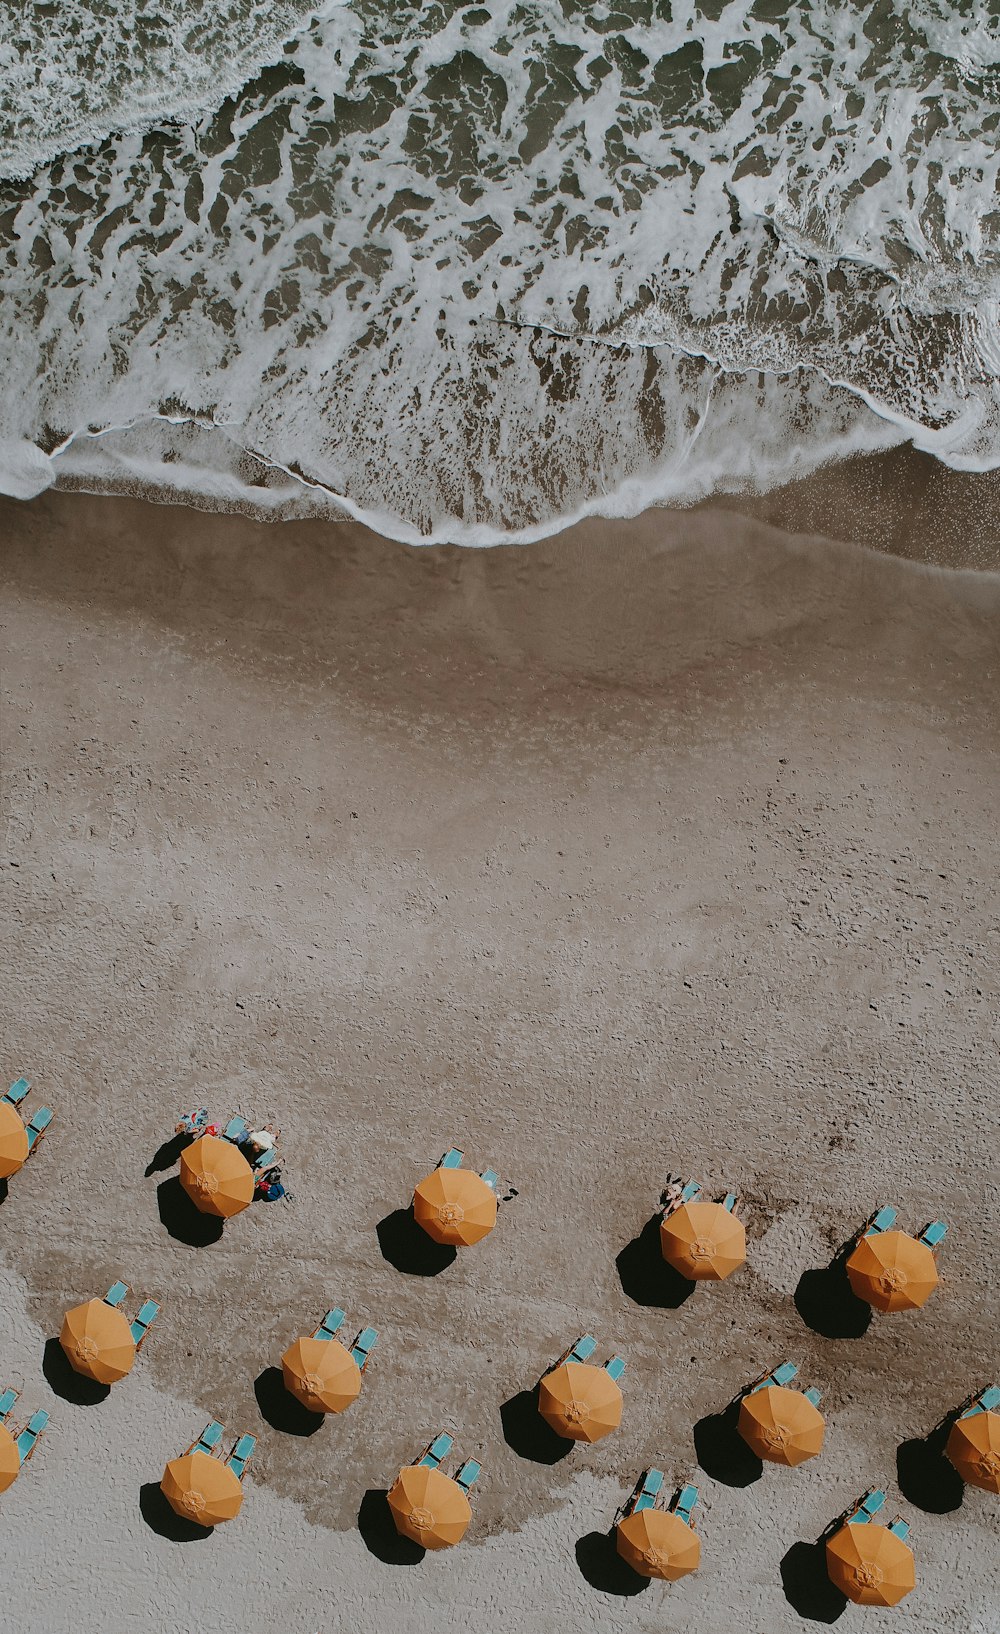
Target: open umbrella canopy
{"type": "Point", "coordinates": [892, 1271]}
{"type": "Point", "coordinates": [216, 1176]}
{"type": "Point", "coordinates": [10, 1458]}
{"type": "Point", "coordinates": [429, 1507]}
{"type": "Point", "coordinates": [657, 1543]}
{"type": "Point", "coordinates": [580, 1402]}
{"type": "Point", "coordinates": [974, 1448]}
{"type": "Point", "coordinates": [781, 1425]}
{"type": "Point", "coordinates": [13, 1141]}
{"type": "Point", "coordinates": [455, 1206]}
{"type": "Point", "coordinates": [703, 1241]}
{"type": "Point", "coordinates": [202, 1489]}
{"type": "Point", "coordinates": [321, 1374]}
{"type": "Point", "coordinates": [98, 1341]}
{"type": "Point", "coordinates": [870, 1564]}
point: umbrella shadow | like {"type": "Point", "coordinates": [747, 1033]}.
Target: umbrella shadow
{"type": "Point", "coordinates": [280, 1408]}
{"type": "Point", "coordinates": [406, 1245]}
{"type": "Point", "coordinates": [646, 1277]}
{"type": "Point", "coordinates": [828, 1304]}
{"type": "Point", "coordinates": [722, 1452]}
{"type": "Point", "coordinates": [4, 1191]}
{"type": "Point", "coordinates": [67, 1382]}
{"type": "Point", "coordinates": [528, 1434]}
{"type": "Point", "coordinates": [378, 1531]}
{"type": "Point", "coordinates": [185, 1223]}
{"type": "Point", "coordinates": [166, 1155]}
{"type": "Point", "coordinates": [926, 1477]}
{"type": "Point", "coordinates": [603, 1567]}
{"type": "Point", "coordinates": [807, 1585]}
{"type": "Point", "coordinates": [163, 1520]}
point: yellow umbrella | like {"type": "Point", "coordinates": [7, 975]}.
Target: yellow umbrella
{"type": "Point", "coordinates": [580, 1402]}
{"type": "Point", "coordinates": [429, 1507]}
{"type": "Point", "coordinates": [870, 1564]}
{"type": "Point", "coordinates": [321, 1374]}
{"type": "Point", "coordinates": [892, 1271]}
{"type": "Point", "coordinates": [657, 1543]}
{"type": "Point", "coordinates": [703, 1241]}
{"type": "Point", "coordinates": [98, 1341]}
{"type": "Point", "coordinates": [13, 1141]}
{"type": "Point", "coordinates": [781, 1425]}
{"type": "Point", "coordinates": [202, 1489]}
{"type": "Point", "coordinates": [216, 1176]}
{"type": "Point", "coordinates": [10, 1458]}
{"type": "Point", "coordinates": [455, 1206]}
{"type": "Point", "coordinates": [974, 1449]}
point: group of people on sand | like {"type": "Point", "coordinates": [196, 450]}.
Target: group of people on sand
{"type": "Point", "coordinates": [267, 1179]}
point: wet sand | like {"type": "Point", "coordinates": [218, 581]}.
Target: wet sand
{"type": "Point", "coordinates": [667, 846]}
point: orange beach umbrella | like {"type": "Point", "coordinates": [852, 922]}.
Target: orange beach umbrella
{"type": "Point", "coordinates": [429, 1507]}
{"type": "Point", "coordinates": [13, 1141]}
{"type": "Point", "coordinates": [580, 1402]}
{"type": "Point", "coordinates": [703, 1241]}
{"type": "Point", "coordinates": [216, 1176]}
{"type": "Point", "coordinates": [781, 1425]}
{"type": "Point", "coordinates": [98, 1341]}
{"type": "Point", "coordinates": [10, 1458]}
{"type": "Point", "coordinates": [455, 1206]}
{"type": "Point", "coordinates": [892, 1271]}
{"type": "Point", "coordinates": [974, 1448]}
{"type": "Point", "coordinates": [657, 1543]}
{"type": "Point", "coordinates": [870, 1564]}
{"type": "Point", "coordinates": [321, 1374]}
{"type": "Point", "coordinates": [202, 1489]}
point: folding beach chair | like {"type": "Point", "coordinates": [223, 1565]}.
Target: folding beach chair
{"type": "Point", "coordinates": [28, 1439]}
{"type": "Point", "coordinates": [986, 1402]}
{"type": "Point", "coordinates": [437, 1449]}
{"type": "Point", "coordinates": [581, 1351]}
{"type": "Point", "coordinates": [236, 1130]}
{"type": "Point", "coordinates": [647, 1491]}
{"type": "Point", "coordinates": [144, 1321]}
{"type": "Point", "coordinates": [869, 1505]}
{"type": "Point", "coordinates": [491, 1177]}
{"type": "Point", "coordinates": [883, 1220]}
{"type": "Point", "coordinates": [241, 1454]}
{"type": "Point", "coordinates": [934, 1233]}
{"type": "Point", "coordinates": [363, 1346]}
{"type": "Point", "coordinates": [37, 1126]}
{"type": "Point", "coordinates": [813, 1395]}
{"type": "Point", "coordinates": [17, 1091]}
{"type": "Point", "coordinates": [210, 1438]}
{"type": "Point", "coordinates": [468, 1475]}
{"type": "Point", "coordinates": [901, 1528]}
{"type": "Point", "coordinates": [332, 1322]}
{"type": "Point", "coordinates": [685, 1502]}
{"type": "Point", "coordinates": [116, 1293]}
{"type": "Point", "coordinates": [729, 1201]}
{"type": "Point", "coordinates": [452, 1159]}
{"type": "Point", "coordinates": [7, 1401]}
{"type": "Point", "coordinates": [615, 1367]}
{"type": "Point", "coordinates": [690, 1191]}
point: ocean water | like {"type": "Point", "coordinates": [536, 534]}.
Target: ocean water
{"type": "Point", "coordinates": [472, 272]}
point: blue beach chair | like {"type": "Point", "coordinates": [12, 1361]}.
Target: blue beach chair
{"type": "Point", "coordinates": [582, 1350]}
{"type": "Point", "coordinates": [813, 1395]}
{"type": "Point", "coordinates": [331, 1324]}
{"type": "Point", "coordinates": [236, 1130]}
{"type": "Point", "coordinates": [934, 1233]}
{"type": "Point", "coordinates": [647, 1491]}
{"type": "Point", "coordinates": [685, 1502]}
{"type": "Point", "coordinates": [37, 1126]}
{"type": "Point", "coordinates": [615, 1367]}
{"type": "Point", "coordinates": [491, 1177]}
{"type": "Point", "coordinates": [437, 1449]}
{"type": "Point", "coordinates": [7, 1401]}
{"type": "Point", "coordinates": [210, 1438]}
{"type": "Point", "coordinates": [241, 1455]}
{"type": "Point", "coordinates": [883, 1220]}
{"type": "Point", "coordinates": [363, 1346]}
{"type": "Point", "coordinates": [468, 1475]}
{"type": "Point", "coordinates": [870, 1505]}
{"type": "Point", "coordinates": [987, 1401]}
{"type": "Point", "coordinates": [690, 1191]}
{"type": "Point", "coordinates": [116, 1293]}
{"type": "Point", "coordinates": [17, 1091]}
{"type": "Point", "coordinates": [452, 1159]}
{"type": "Point", "coordinates": [729, 1201]}
{"type": "Point", "coordinates": [901, 1528]}
{"type": "Point", "coordinates": [143, 1322]}
{"type": "Point", "coordinates": [28, 1439]}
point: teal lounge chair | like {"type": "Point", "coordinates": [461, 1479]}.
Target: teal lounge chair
{"type": "Point", "coordinates": [452, 1159]}
{"type": "Point", "coordinates": [265, 1160]}
{"type": "Point", "coordinates": [37, 1126]}
{"type": "Point", "coordinates": [582, 1350]}
{"type": "Point", "coordinates": [934, 1233]}
{"type": "Point", "coordinates": [144, 1321]}
{"type": "Point", "coordinates": [28, 1439]}
{"type": "Point", "coordinates": [332, 1322]}
{"type": "Point", "coordinates": [987, 1401]}
{"type": "Point", "coordinates": [784, 1374]}
{"type": "Point", "coordinates": [883, 1220]}
{"type": "Point", "coordinates": [437, 1449]}
{"type": "Point", "coordinates": [646, 1493]}
{"type": "Point", "coordinates": [813, 1395]}
{"type": "Point", "coordinates": [17, 1091]}
{"type": "Point", "coordinates": [870, 1505]}
{"type": "Point", "coordinates": [468, 1475]}
{"type": "Point", "coordinates": [901, 1528]}
{"type": "Point", "coordinates": [241, 1455]}
{"type": "Point", "coordinates": [210, 1438]}
{"type": "Point", "coordinates": [363, 1346]}
{"type": "Point", "coordinates": [690, 1191]}
{"type": "Point", "coordinates": [685, 1502]}
{"type": "Point", "coordinates": [7, 1401]}
{"type": "Point", "coordinates": [116, 1293]}
{"type": "Point", "coordinates": [729, 1201]}
{"type": "Point", "coordinates": [615, 1367]}
{"type": "Point", "coordinates": [236, 1130]}
{"type": "Point", "coordinates": [491, 1177]}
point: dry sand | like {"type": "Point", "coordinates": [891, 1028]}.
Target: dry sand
{"type": "Point", "coordinates": [663, 846]}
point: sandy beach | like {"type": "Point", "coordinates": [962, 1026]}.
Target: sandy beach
{"type": "Point", "coordinates": [666, 846]}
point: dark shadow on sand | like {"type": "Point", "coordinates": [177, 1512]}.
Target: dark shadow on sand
{"type": "Point", "coordinates": [926, 1477]}
{"type": "Point", "coordinates": [603, 1567]}
{"type": "Point", "coordinates": [4, 1191]}
{"type": "Point", "coordinates": [722, 1451]}
{"type": "Point", "coordinates": [185, 1223]}
{"type": "Point", "coordinates": [167, 1155]}
{"type": "Point", "coordinates": [527, 1433]}
{"type": "Point", "coordinates": [646, 1277]}
{"type": "Point", "coordinates": [407, 1246]}
{"type": "Point", "coordinates": [807, 1586]}
{"type": "Point", "coordinates": [163, 1520]}
{"type": "Point", "coordinates": [378, 1530]}
{"type": "Point", "coordinates": [280, 1408]}
{"type": "Point", "coordinates": [828, 1304]}
{"type": "Point", "coordinates": [66, 1382]}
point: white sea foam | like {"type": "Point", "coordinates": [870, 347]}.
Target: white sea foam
{"type": "Point", "coordinates": [472, 272]}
